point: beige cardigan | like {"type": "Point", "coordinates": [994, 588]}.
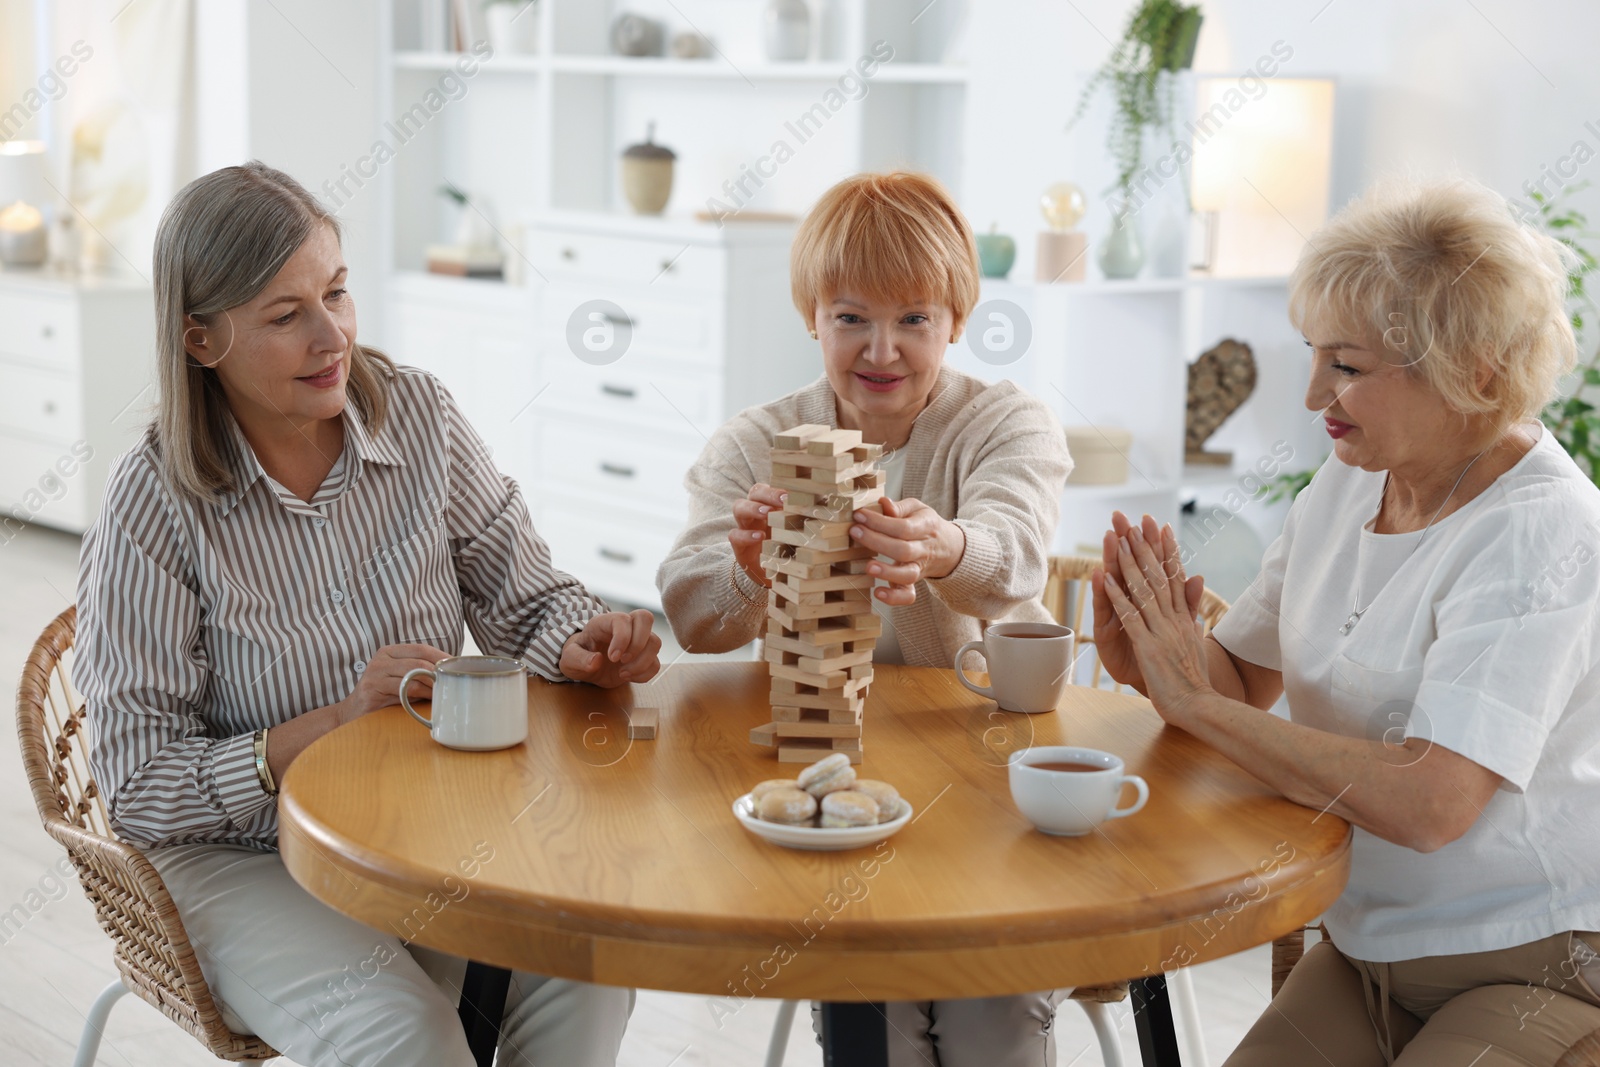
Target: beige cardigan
{"type": "Point", "coordinates": [991, 458]}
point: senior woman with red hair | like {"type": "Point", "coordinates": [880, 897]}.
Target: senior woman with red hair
{"type": "Point", "coordinates": [884, 274]}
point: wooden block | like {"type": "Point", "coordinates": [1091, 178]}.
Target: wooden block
{"type": "Point", "coordinates": [642, 724]}
{"type": "Point", "coordinates": [810, 750]}
{"type": "Point", "coordinates": [782, 642]}
{"type": "Point", "coordinates": [839, 716]}
{"type": "Point", "coordinates": [773, 565]}
{"type": "Point", "coordinates": [848, 480]}
{"type": "Point", "coordinates": [830, 582]}
{"type": "Point", "coordinates": [786, 730]}
{"type": "Point", "coordinates": [807, 554]}
{"type": "Point", "coordinates": [850, 628]}
{"type": "Point", "coordinates": [841, 545]}
{"type": "Point", "coordinates": [765, 734]}
{"type": "Point", "coordinates": [862, 671]}
{"type": "Point", "coordinates": [826, 530]}
{"type": "Point", "coordinates": [841, 700]}
{"type": "Point", "coordinates": [825, 680]}
{"type": "Point", "coordinates": [794, 692]}
{"type": "Point", "coordinates": [816, 664]}
{"type": "Point", "coordinates": [833, 443]}
{"type": "Point", "coordinates": [795, 440]}
{"type": "Point", "coordinates": [792, 626]}
{"type": "Point", "coordinates": [849, 458]}
{"type": "Point", "coordinates": [794, 614]}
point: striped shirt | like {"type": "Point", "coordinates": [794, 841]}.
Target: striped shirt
{"type": "Point", "coordinates": [202, 622]}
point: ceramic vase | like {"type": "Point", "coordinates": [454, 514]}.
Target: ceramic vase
{"type": "Point", "coordinates": [788, 30]}
{"type": "Point", "coordinates": [1122, 253]}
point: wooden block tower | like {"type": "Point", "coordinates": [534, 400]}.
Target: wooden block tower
{"type": "Point", "coordinates": [820, 625]}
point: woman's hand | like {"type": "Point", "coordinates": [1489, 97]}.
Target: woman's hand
{"type": "Point", "coordinates": [921, 543]}
{"type": "Point", "coordinates": [1153, 607]}
{"type": "Point", "coordinates": [1110, 639]}
{"type": "Point", "coordinates": [750, 529]}
{"type": "Point", "coordinates": [379, 686]}
{"type": "Point", "coordinates": [613, 649]}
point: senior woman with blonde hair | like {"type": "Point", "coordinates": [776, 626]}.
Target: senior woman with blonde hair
{"type": "Point", "coordinates": [884, 275]}
{"type": "Point", "coordinates": [1432, 613]}
{"type": "Point", "coordinates": [303, 524]}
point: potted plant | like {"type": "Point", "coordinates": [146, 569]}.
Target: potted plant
{"type": "Point", "coordinates": [1158, 41]}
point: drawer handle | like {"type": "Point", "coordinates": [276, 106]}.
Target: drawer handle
{"type": "Point", "coordinates": [668, 266]}
{"type": "Point", "coordinates": [626, 320]}
{"type": "Point", "coordinates": [49, 407]}
{"type": "Point", "coordinates": [619, 471]}
{"type": "Point", "coordinates": [48, 331]}
{"type": "Point", "coordinates": [568, 253]}
{"type": "Point", "coordinates": [615, 556]}
{"type": "Point", "coordinates": [623, 391]}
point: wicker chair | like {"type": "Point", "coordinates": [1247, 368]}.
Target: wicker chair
{"type": "Point", "coordinates": [152, 952]}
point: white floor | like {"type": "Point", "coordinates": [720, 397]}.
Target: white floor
{"type": "Point", "coordinates": [52, 968]}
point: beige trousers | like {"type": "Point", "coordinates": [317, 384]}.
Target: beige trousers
{"type": "Point", "coordinates": [1516, 1007]}
{"type": "Point", "coordinates": [327, 991]}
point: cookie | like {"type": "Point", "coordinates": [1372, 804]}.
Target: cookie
{"type": "Point", "coordinates": [828, 775]}
{"type": "Point", "coordinates": [790, 806]}
{"type": "Point", "coordinates": [848, 808]}
{"type": "Point", "coordinates": [887, 796]}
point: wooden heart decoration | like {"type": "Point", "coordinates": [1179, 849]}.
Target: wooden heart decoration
{"type": "Point", "coordinates": [1219, 381]}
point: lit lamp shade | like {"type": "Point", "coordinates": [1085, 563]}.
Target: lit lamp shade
{"type": "Point", "coordinates": [24, 194]}
{"type": "Point", "coordinates": [1261, 169]}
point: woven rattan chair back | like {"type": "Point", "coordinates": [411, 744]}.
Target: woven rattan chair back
{"type": "Point", "coordinates": [152, 952]}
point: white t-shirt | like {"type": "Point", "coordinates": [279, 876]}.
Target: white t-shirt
{"type": "Point", "coordinates": [887, 650]}
{"type": "Point", "coordinates": [1484, 641]}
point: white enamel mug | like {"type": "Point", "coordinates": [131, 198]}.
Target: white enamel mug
{"type": "Point", "coordinates": [1070, 803]}
{"type": "Point", "coordinates": [1028, 664]}
{"type": "Point", "coordinates": [479, 702]}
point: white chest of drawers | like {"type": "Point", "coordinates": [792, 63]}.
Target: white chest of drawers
{"type": "Point", "coordinates": [77, 388]}
{"type": "Point", "coordinates": [711, 331]}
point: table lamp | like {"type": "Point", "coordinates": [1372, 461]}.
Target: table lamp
{"type": "Point", "coordinates": [24, 194]}
{"type": "Point", "coordinates": [1062, 250]}
{"type": "Point", "coordinates": [1261, 173]}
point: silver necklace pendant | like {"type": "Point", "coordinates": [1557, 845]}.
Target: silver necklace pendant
{"type": "Point", "coordinates": [1349, 624]}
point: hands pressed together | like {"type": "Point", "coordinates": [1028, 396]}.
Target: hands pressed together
{"type": "Point", "coordinates": [1144, 616]}
{"type": "Point", "coordinates": [918, 541]}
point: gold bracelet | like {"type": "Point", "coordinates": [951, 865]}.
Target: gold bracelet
{"type": "Point", "coordinates": [733, 578]}
{"type": "Point", "coordinates": [263, 771]}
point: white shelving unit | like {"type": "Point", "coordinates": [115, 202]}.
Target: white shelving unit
{"type": "Point", "coordinates": [534, 140]}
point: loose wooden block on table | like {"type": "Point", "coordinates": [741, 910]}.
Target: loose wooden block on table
{"type": "Point", "coordinates": [642, 724]}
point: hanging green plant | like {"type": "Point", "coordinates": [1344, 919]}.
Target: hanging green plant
{"type": "Point", "coordinates": [1159, 39]}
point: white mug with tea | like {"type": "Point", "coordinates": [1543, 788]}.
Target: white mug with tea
{"type": "Point", "coordinates": [1068, 791]}
{"type": "Point", "coordinates": [479, 702]}
{"type": "Point", "coordinates": [1028, 664]}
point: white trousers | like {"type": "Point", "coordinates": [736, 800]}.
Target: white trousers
{"type": "Point", "coordinates": [981, 1032]}
{"type": "Point", "coordinates": [327, 991]}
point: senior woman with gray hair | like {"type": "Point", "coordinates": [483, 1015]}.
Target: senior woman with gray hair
{"type": "Point", "coordinates": [1432, 613]}
{"type": "Point", "coordinates": [304, 523]}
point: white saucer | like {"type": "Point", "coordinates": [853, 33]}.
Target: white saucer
{"type": "Point", "coordinates": [817, 838]}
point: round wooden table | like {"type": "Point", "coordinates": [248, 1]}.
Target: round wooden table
{"type": "Point", "coordinates": [586, 855]}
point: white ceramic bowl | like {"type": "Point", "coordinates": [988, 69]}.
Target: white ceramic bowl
{"type": "Point", "coordinates": [817, 838]}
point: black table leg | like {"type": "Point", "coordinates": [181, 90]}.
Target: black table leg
{"type": "Point", "coordinates": [1152, 1021]}
{"type": "Point", "coordinates": [483, 1005]}
{"type": "Point", "coordinates": [854, 1035]}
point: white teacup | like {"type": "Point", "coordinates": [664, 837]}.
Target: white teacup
{"type": "Point", "coordinates": [1028, 664]}
{"type": "Point", "coordinates": [479, 702]}
{"type": "Point", "coordinates": [1071, 802]}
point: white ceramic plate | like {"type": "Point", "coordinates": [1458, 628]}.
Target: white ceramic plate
{"type": "Point", "coordinates": [817, 838]}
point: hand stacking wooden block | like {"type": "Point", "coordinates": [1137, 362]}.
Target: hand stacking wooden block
{"type": "Point", "coordinates": [821, 630]}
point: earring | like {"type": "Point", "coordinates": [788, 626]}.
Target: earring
{"type": "Point", "coordinates": [813, 335]}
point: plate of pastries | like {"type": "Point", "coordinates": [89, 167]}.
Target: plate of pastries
{"type": "Point", "coordinates": [827, 808]}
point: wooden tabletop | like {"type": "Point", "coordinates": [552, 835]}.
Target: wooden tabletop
{"type": "Point", "coordinates": [583, 855]}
